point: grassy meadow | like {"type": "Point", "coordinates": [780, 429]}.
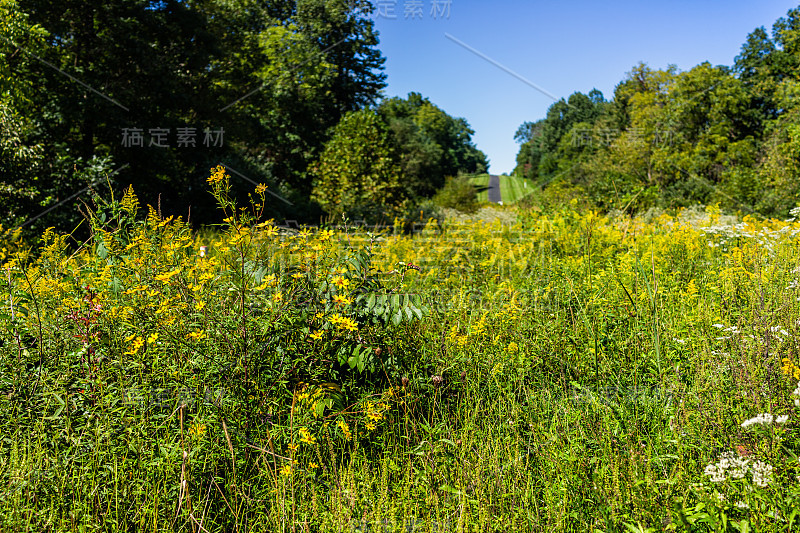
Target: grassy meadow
{"type": "Point", "coordinates": [512, 188]}
{"type": "Point", "coordinates": [481, 182]}
{"type": "Point", "coordinates": [570, 371]}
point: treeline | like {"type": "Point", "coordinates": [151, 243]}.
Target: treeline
{"type": "Point", "coordinates": [155, 93]}
{"type": "Point", "coordinates": [712, 134]}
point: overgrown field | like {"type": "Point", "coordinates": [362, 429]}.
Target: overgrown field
{"type": "Point", "coordinates": [570, 371]}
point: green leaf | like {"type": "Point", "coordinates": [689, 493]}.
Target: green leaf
{"type": "Point", "coordinates": [116, 286]}
{"type": "Point", "coordinates": [451, 490]}
{"type": "Point", "coordinates": [319, 408]}
{"type": "Point", "coordinates": [59, 409]}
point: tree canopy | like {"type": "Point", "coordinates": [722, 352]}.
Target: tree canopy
{"type": "Point", "coordinates": [712, 134]}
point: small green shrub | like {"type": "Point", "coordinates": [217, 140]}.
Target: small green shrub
{"type": "Point", "coordinates": [458, 193]}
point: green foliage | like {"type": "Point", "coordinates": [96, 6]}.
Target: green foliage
{"type": "Point", "coordinates": [458, 193]}
{"type": "Point", "coordinates": [274, 77]}
{"type": "Point", "coordinates": [19, 165]}
{"type": "Point", "coordinates": [429, 143]}
{"type": "Point", "coordinates": [557, 373]}
{"type": "Point", "coordinates": [356, 174]}
{"type": "Point", "coordinates": [673, 139]}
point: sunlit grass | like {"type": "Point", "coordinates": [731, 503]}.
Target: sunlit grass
{"type": "Point", "coordinates": [512, 188]}
{"type": "Point", "coordinates": [481, 181]}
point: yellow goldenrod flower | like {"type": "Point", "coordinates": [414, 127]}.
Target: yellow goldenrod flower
{"type": "Point", "coordinates": [166, 276]}
{"type": "Point", "coordinates": [217, 175]}
{"type": "Point", "coordinates": [197, 430]}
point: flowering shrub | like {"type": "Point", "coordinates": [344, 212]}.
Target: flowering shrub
{"type": "Point", "coordinates": [293, 331]}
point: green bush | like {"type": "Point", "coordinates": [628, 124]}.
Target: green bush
{"type": "Point", "coordinates": [458, 193]}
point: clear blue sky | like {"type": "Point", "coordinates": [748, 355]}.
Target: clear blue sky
{"type": "Point", "coordinates": [562, 47]}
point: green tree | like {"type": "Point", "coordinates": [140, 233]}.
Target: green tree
{"type": "Point", "coordinates": [273, 76]}
{"type": "Point", "coordinates": [356, 173]}
{"type": "Point", "coordinates": [430, 144]}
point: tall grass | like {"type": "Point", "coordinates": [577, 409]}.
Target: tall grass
{"type": "Point", "coordinates": [570, 371]}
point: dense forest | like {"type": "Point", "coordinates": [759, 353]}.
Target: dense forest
{"type": "Point", "coordinates": [712, 134]}
{"type": "Point", "coordinates": [291, 94]}
{"type": "Point", "coordinates": [155, 93]}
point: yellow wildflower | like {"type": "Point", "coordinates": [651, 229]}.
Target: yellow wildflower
{"type": "Point", "coordinates": [217, 175]}
{"type": "Point", "coordinates": [341, 282]}
{"type": "Point", "coordinates": [345, 429]}
{"type": "Point", "coordinates": [341, 300]}
{"type": "Point", "coordinates": [166, 276]}
{"type": "Point", "coordinates": [306, 437]}
{"type": "Point", "coordinates": [197, 430]}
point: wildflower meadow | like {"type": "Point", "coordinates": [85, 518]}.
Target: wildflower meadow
{"type": "Point", "coordinates": [566, 370]}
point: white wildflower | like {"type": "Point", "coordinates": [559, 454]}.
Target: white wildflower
{"type": "Point", "coordinates": [729, 465]}
{"type": "Point", "coordinates": [716, 473]}
{"type": "Point", "coordinates": [782, 419]}
{"type": "Point", "coordinates": [778, 329]}
{"type": "Point", "coordinates": [763, 418]}
{"type": "Point", "coordinates": [762, 473]}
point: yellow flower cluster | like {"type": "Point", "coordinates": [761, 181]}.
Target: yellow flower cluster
{"type": "Point", "coordinates": [343, 323]}
{"type": "Point", "coordinates": [217, 175]}
{"type": "Point", "coordinates": [306, 437]}
{"type": "Point", "coordinates": [197, 430]}
{"type": "Point", "coordinates": [345, 429]}
{"type": "Point", "coordinates": [789, 368]}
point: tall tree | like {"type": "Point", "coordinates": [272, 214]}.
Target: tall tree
{"type": "Point", "coordinates": [356, 173]}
